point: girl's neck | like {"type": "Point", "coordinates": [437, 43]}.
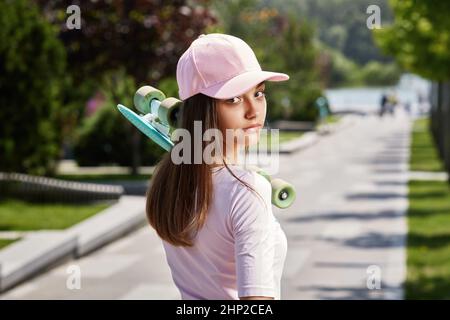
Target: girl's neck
{"type": "Point", "coordinates": [230, 158]}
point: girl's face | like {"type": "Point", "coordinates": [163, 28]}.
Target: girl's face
{"type": "Point", "coordinates": [244, 114]}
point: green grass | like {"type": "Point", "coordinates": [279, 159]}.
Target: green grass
{"type": "Point", "coordinates": [332, 119]}
{"type": "Point", "coordinates": [284, 136]}
{"type": "Point", "coordinates": [103, 177]}
{"type": "Point", "coordinates": [428, 262]}
{"type": "Point", "coordinates": [428, 246]}
{"type": "Point", "coordinates": [21, 215]}
{"type": "Point", "coordinates": [289, 135]}
{"type": "Point", "coordinates": [5, 242]}
{"type": "Point", "coordinates": [424, 156]}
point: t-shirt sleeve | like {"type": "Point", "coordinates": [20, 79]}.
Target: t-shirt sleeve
{"type": "Point", "coordinates": [252, 227]}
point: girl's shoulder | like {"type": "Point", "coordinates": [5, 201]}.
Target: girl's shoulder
{"type": "Point", "coordinates": [237, 188]}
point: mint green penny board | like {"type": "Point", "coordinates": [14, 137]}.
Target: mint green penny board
{"type": "Point", "coordinates": [146, 128]}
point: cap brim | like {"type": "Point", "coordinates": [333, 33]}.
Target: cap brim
{"type": "Point", "coordinates": [242, 83]}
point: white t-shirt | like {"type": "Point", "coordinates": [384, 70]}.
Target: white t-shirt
{"type": "Point", "coordinates": [241, 249]}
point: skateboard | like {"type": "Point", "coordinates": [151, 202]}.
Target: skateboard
{"type": "Point", "coordinates": [159, 115]}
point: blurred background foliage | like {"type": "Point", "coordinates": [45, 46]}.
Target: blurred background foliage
{"type": "Point", "coordinates": [419, 38]}
{"type": "Point", "coordinates": [67, 83]}
{"type": "Point", "coordinates": [32, 79]}
{"type": "Point", "coordinates": [145, 39]}
{"type": "Point", "coordinates": [105, 135]}
{"type": "Point", "coordinates": [282, 43]}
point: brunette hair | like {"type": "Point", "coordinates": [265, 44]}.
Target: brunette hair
{"type": "Point", "coordinates": [180, 194]}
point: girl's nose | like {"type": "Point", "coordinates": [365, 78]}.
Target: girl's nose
{"type": "Point", "coordinates": [251, 109]}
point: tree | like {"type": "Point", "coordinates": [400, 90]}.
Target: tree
{"type": "Point", "coordinates": [32, 63]}
{"type": "Point", "coordinates": [143, 37]}
{"type": "Point", "coordinates": [419, 39]}
{"type": "Point", "coordinates": [146, 37]}
{"type": "Point", "coordinates": [283, 43]}
{"type": "Point", "coordinates": [105, 137]}
{"type": "Point", "coordinates": [295, 52]}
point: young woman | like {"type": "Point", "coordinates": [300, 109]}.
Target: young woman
{"type": "Point", "coordinates": [220, 236]}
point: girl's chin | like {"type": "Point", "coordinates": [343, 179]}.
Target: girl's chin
{"type": "Point", "coordinates": [247, 138]}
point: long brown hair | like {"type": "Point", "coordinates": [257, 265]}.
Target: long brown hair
{"type": "Point", "coordinates": [180, 194]}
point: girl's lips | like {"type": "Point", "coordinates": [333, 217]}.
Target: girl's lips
{"type": "Point", "coordinates": [254, 128]}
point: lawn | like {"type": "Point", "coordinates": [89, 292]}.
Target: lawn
{"type": "Point", "coordinates": [5, 242]}
{"type": "Point", "coordinates": [424, 156]}
{"type": "Point", "coordinates": [103, 177]}
{"type": "Point", "coordinates": [332, 119]}
{"type": "Point", "coordinates": [284, 136]}
{"type": "Point", "coordinates": [20, 215]}
{"type": "Point", "coordinates": [428, 247]}
{"type": "Point", "coordinates": [428, 263]}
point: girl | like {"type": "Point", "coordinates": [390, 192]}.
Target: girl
{"type": "Point", "coordinates": [219, 234]}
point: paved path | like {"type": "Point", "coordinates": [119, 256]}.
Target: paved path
{"type": "Point", "coordinates": [133, 267]}
{"type": "Point", "coordinates": [350, 215]}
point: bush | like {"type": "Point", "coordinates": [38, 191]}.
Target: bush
{"type": "Point", "coordinates": [344, 72]}
{"type": "Point", "coordinates": [106, 137]}
{"type": "Point", "coordinates": [295, 53]}
{"type": "Point", "coordinates": [32, 61]}
{"type": "Point", "coordinates": [375, 73]}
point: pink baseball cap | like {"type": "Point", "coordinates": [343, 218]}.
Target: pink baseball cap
{"type": "Point", "coordinates": [220, 66]}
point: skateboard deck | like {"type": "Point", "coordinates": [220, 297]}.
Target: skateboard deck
{"type": "Point", "coordinates": [146, 128]}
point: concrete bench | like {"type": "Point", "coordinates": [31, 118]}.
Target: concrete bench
{"type": "Point", "coordinates": [43, 189]}
{"type": "Point", "coordinates": [110, 224]}
{"type": "Point", "coordinates": [25, 258]}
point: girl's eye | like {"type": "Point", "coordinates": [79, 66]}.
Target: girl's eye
{"type": "Point", "coordinates": [234, 100]}
{"type": "Point", "coordinates": [262, 94]}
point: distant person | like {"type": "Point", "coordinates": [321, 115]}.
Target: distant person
{"type": "Point", "coordinates": [407, 107]}
{"type": "Point", "coordinates": [322, 105]}
{"type": "Point", "coordinates": [383, 104]}
{"type": "Point", "coordinates": [392, 103]}
{"type": "Point", "coordinates": [423, 104]}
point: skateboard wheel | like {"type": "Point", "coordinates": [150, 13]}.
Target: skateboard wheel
{"type": "Point", "coordinates": [169, 111]}
{"type": "Point", "coordinates": [144, 96]}
{"type": "Point", "coordinates": [283, 193]}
